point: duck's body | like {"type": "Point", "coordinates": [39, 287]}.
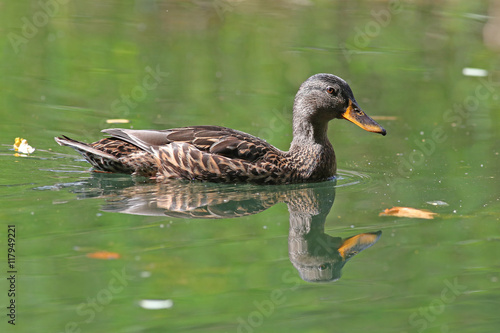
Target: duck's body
{"type": "Point", "coordinates": [219, 154]}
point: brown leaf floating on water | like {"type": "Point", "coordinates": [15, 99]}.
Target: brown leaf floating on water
{"type": "Point", "coordinates": [103, 255]}
{"type": "Point", "coordinates": [408, 212]}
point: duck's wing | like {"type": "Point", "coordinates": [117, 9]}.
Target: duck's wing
{"type": "Point", "coordinates": [209, 139]}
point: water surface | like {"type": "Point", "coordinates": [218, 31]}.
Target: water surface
{"type": "Point", "coordinates": [428, 72]}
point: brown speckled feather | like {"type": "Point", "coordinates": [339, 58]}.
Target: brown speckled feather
{"type": "Point", "coordinates": [214, 139]}
{"type": "Point", "coordinates": [211, 153]}
{"type": "Point", "coordinates": [183, 160]}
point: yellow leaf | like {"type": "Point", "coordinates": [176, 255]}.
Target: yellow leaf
{"type": "Point", "coordinates": [104, 255]}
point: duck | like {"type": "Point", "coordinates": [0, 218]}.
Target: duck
{"type": "Point", "coordinates": [220, 154]}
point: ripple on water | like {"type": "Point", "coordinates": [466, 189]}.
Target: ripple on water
{"type": "Point", "coordinates": [347, 178]}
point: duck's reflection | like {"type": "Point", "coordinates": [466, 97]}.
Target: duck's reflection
{"type": "Point", "coordinates": [317, 256]}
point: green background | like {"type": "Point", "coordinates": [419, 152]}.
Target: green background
{"type": "Point", "coordinates": [68, 66]}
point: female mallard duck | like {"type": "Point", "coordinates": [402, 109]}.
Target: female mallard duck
{"type": "Point", "coordinates": [219, 154]}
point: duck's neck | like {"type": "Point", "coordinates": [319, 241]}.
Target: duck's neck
{"type": "Point", "coordinates": [308, 131]}
{"type": "Point", "coordinates": [310, 146]}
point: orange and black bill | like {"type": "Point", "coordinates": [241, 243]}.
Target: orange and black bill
{"type": "Point", "coordinates": [355, 115]}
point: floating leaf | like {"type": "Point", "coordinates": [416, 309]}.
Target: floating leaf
{"type": "Point", "coordinates": [103, 255]}
{"type": "Point", "coordinates": [117, 121]}
{"type": "Point", "coordinates": [21, 145]}
{"type": "Point", "coordinates": [437, 203]}
{"type": "Point", "coordinates": [408, 212]}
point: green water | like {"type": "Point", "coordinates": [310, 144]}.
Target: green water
{"type": "Point", "coordinates": [68, 66]}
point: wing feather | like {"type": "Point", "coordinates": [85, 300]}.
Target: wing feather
{"type": "Point", "coordinates": [212, 139]}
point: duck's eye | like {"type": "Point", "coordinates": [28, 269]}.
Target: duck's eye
{"type": "Point", "coordinates": [323, 267]}
{"type": "Point", "coordinates": [331, 90]}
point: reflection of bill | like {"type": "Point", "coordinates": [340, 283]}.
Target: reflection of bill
{"type": "Point", "coordinates": [317, 256]}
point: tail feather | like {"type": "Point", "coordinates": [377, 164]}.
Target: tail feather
{"type": "Point", "coordinates": [111, 155]}
{"type": "Point", "coordinates": [84, 149]}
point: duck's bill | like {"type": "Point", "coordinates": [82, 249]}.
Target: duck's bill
{"type": "Point", "coordinates": [353, 245]}
{"type": "Point", "coordinates": [355, 115]}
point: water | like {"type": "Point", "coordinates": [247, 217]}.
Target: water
{"type": "Point", "coordinates": [240, 258]}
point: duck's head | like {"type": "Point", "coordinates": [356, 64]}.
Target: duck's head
{"type": "Point", "coordinates": [323, 97]}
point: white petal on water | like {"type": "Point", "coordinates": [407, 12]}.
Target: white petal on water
{"type": "Point", "coordinates": [467, 71]}
{"type": "Point", "coordinates": [156, 304]}
{"type": "Point", "coordinates": [145, 274]}
{"type": "Point", "coordinates": [437, 203]}
{"type": "Point", "coordinates": [25, 148]}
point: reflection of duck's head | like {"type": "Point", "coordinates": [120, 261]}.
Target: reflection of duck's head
{"type": "Point", "coordinates": [319, 257]}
